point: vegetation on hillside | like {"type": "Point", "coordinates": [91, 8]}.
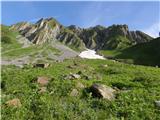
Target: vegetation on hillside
{"type": "Point", "coordinates": [143, 54]}
{"type": "Point", "coordinates": [139, 87]}
{"type": "Point", "coordinates": [8, 39]}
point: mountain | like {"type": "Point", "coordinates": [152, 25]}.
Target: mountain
{"type": "Point", "coordinates": [116, 41]}
{"type": "Point", "coordinates": [113, 37]}
{"type": "Point", "coordinates": [98, 37]}
{"type": "Point", "coordinates": [46, 30]}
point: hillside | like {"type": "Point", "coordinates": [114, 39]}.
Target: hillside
{"type": "Point", "coordinates": [18, 50]}
{"type": "Point", "coordinates": [68, 98]}
{"type": "Point", "coordinates": [43, 76]}
{"type": "Point", "coordinates": [143, 54]}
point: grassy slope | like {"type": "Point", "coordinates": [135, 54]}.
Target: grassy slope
{"type": "Point", "coordinates": [11, 48]}
{"type": "Point", "coordinates": [8, 39]}
{"type": "Point", "coordinates": [32, 50]}
{"type": "Point", "coordinates": [144, 54]}
{"type": "Point", "coordinates": [138, 103]}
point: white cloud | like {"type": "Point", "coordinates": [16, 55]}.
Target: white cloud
{"type": "Point", "coordinates": [153, 30]}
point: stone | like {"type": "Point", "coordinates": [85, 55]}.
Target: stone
{"type": "Point", "coordinates": [74, 92]}
{"type": "Point", "coordinates": [42, 65]}
{"type": "Point", "coordinates": [157, 103]}
{"type": "Point", "coordinates": [75, 76]}
{"type": "Point", "coordinates": [14, 103]}
{"type": "Point", "coordinates": [105, 65]}
{"type": "Point", "coordinates": [87, 77]}
{"type": "Point", "coordinates": [113, 61]}
{"type": "Point", "coordinates": [103, 91]}
{"type": "Point", "coordinates": [20, 66]}
{"type": "Point", "coordinates": [72, 76]}
{"type": "Point", "coordinates": [79, 85]}
{"type": "Point", "coordinates": [42, 89]}
{"type": "Point", "coordinates": [43, 81]}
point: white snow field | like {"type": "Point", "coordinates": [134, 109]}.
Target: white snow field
{"type": "Point", "coordinates": [90, 54]}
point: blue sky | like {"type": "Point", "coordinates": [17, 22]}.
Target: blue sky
{"type": "Point", "coordinates": [143, 16]}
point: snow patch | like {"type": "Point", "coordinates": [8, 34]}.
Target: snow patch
{"type": "Point", "coordinates": [90, 54]}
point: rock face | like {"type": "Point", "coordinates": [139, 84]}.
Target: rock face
{"type": "Point", "coordinates": [112, 37]}
{"type": "Point", "coordinates": [40, 32]}
{"type": "Point", "coordinates": [47, 30]}
{"type": "Point", "coordinates": [102, 91]}
{"type": "Point", "coordinates": [98, 37]}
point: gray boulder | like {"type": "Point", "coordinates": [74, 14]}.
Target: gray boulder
{"type": "Point", "coordinates": [103, 91]}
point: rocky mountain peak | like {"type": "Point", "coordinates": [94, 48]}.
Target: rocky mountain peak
{"type": "Point", "coordinates": [98, 37]}
{"type": "Point", "coordinates": [20, 26]}
{"type": "Point", "coordinates": [40, 32]}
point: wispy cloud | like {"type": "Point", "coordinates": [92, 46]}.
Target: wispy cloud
{"type": "Point", "coordinates": [153, 30]}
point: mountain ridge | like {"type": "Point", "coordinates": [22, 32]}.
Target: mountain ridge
{"type": "Point", "coordinates": [97, 37]}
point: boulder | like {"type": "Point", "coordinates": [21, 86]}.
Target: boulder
{"type": "Point", "coordinates": [157, 103]}
{"type": "Point", "coordinates": [42, 65]}
{"type": "Point", "coordinates": [103, 91]}
{"type": "Point", "coordinates": [74, 92]}
{"type": "Point", "coordinates": [14, 103]}
{"type": "Point", "coordinates": [43, 80]}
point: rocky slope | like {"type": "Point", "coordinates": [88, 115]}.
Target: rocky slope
{"type": "Point", "coordinates": [98, 37]}
{"type": "Point", "coordinates": [46, 30]}
{"type": "Point", "coordinates": [115, 36]}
